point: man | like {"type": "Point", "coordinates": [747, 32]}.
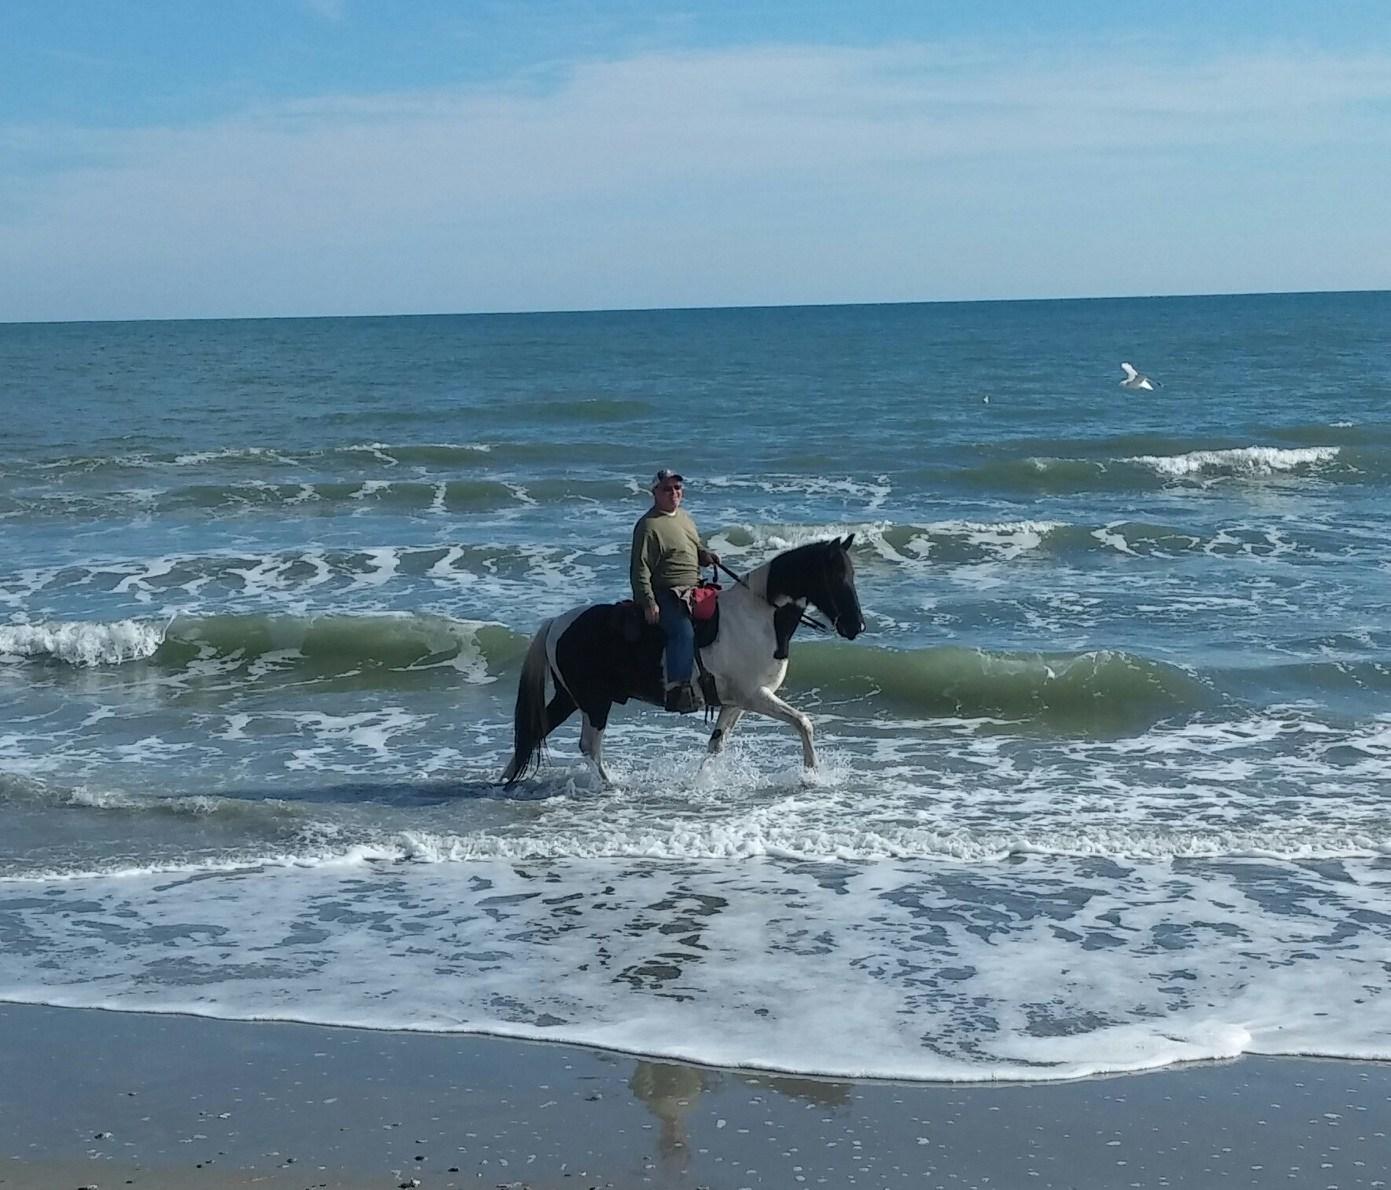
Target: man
{"type": "Point", "coordinates": [665, 566]}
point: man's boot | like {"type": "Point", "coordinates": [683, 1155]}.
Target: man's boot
{"type": "Point", "coordinates": [681, 698]}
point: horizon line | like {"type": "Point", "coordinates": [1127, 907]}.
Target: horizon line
{"type": "Point", "coordinates": [523, 313]}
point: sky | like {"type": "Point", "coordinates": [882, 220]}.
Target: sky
{"type": "Point", "coordinates": [198, 158]}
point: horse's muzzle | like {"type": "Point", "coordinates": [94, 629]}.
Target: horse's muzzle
{"type": "Point", "coordinates": [849, 628]}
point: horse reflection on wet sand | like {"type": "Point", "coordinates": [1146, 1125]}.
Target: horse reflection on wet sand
{"type": "Point", "coordinates": [593, 661]}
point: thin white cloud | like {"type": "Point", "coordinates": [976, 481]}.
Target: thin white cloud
{"type": "Point", "coordinates": [774, 174]}
{"type": "Point", "coordinates": [329, 10]}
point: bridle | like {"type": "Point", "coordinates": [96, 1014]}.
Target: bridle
{"type": "Point", "coordinates": [810, 621]}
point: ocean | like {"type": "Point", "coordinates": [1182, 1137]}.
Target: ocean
{"type": "Point", "coordinates": [1105, 785]}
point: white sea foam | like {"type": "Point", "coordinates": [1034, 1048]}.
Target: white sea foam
{"type": "Point", "coordinates": [197, 806]}
{"type": "Point", "coordinates": [384, 449]}
{"type": "Point", "coordinates": [140, 584]}
{"type": "Point", "coordinates": [871, 493]}
{"type": "Point", "coordinates": [1006, 539]}
{"type": "Point", "coordinates": [757, 836]}
{"type": "Point", "coordinates": [19, 587]}
{"type": "Point", "coordinates": [385, 562]}
{"type": "Point", "coordinates": [81, 643]}
{"type": "Point", "coordinates": [786, 537]}
{"type": "Point", "coordinates": [258, 453]}
{"type": "Point", "coordinates": [370, 487]}
{"type": "Point", "coordinates": [903, 544]}
{"type": "Point", "coordinates": [1050, 970]}
{"type": "Point", "coordinates": [264, 576]}
{"type": "Point", "coordinates": [1110, 536]}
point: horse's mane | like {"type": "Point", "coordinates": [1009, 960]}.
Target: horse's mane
{"type": "Point", "coordinates": [800, 562]}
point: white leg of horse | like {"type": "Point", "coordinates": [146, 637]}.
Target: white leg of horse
{"type": "Point", "coordinates": [729, 716]}
{"type": "Point", "coordinates": [592, 746]}
{"type": "Point", "coordinates": [724, 725]}
{"type": "Point", "coordinates": [765, 702]}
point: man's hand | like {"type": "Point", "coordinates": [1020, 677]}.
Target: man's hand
{"type": "Point", "coordinates": [709, 558]}
{"type": "Point", "coordinates": [651, 613]}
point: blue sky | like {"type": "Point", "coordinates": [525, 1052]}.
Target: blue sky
{"type": "Point", "coordinates": [282, 157]}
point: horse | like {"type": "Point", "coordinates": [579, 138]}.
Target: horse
{"type": "Point", "coordinates": [600, 654]}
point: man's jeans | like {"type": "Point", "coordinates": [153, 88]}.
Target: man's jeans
{"type": "Point", "coordinates": [680, 634]}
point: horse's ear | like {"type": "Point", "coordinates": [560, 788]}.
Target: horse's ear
{"type": "Point", "coordinates": [848, 542]}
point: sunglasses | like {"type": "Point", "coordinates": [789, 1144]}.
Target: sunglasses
{"type": "Point", "coordinates": [671, 487]}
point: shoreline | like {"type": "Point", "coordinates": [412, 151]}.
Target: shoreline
{"type": "Point", "coordinates": [93, 1097]}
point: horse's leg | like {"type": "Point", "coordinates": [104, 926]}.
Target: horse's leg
{"type": "Point", "coordinates": [592, 742]}
{"type": "Point", "coordinates": [724, 725]}
{"type": "Point", "coordinates": [765, 702]}
{"type": "Point", "coordinates": [559, 709]}
{"type": "Point", "coordinates": [533, 719]}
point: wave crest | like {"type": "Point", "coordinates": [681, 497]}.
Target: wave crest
{"type": "Point", "coordinates": [328, 643]}
{"type": "Point", "coordinates": [1139, 472]}
{"type": "Point", "coordinates": [1103, 688]}
{"type": "Point", "coordinates": [1241, 461]}
{"type": "Point", "coordinates": [82, 642]}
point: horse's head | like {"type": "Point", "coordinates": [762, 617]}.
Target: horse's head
{"type": "Point", "coordinates": [840, 601]}
{"type": "Point", "coordinates": [822, 574]}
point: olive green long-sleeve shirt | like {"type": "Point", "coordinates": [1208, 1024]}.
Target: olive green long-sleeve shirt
{"type": "Point", "coordinates": [666, 553]}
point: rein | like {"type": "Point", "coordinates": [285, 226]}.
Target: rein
{"type": "Point", "coordinates": [810, 621]}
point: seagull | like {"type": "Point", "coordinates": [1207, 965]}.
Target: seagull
{"type": "Point", "coordinates": [1134, 379]}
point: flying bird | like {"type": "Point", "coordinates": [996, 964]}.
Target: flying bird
{"type": "Point", "coordinates": [1134, 379]}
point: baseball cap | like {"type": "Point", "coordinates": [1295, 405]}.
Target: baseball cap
{"type": "Point", "coordinates": [666, 475]}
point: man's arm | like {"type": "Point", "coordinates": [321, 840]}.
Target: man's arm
{"type": "Point", "coordinates": [704, 555]}
{"type": "Point", "coordinates": [640, 567]}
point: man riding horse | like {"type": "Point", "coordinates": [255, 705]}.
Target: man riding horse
{"type": "Point", "coordinates": [665, 568]}
{"type": "Point", "coordinates": [594, 656]}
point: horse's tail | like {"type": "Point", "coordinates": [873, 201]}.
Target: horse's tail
{"type": "Point", "coordinates": [529, 717]}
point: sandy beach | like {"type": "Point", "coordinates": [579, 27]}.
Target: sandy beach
{"type": "Point", "coordinates": [93, 1098]}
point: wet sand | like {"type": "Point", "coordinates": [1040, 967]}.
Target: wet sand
{"type": "Point", "coordinates": [104, 1099]}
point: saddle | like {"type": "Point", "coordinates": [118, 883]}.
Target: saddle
{"type": "Point", "coordinates": [647, 642]}
{"type": "Point", "coordinates": [705, 615]}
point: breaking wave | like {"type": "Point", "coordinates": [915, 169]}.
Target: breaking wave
{"type": "Point", "coordinates": [737, 841]}
{"type": "Point", "coordinates": [325, 643]}
{"type": "Point", "coordinates": [1246, 461]}
{"type": "Point", "coordinates": [406, 495]}
{"type": "Point", "coordinates": [82, 642]}
{"type": "Point", "coordinates": [965, 542]}
{"type": "Point", "coordinates": [1103, 688]}
{"type": "Point", "coordinates": [1150, 471]}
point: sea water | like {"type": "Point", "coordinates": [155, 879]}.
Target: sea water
{"type": "Point", "coordinates": [1105, 785]}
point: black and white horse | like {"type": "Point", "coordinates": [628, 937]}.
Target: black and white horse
{"type": "Point", "coordinates": [604, 653]}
